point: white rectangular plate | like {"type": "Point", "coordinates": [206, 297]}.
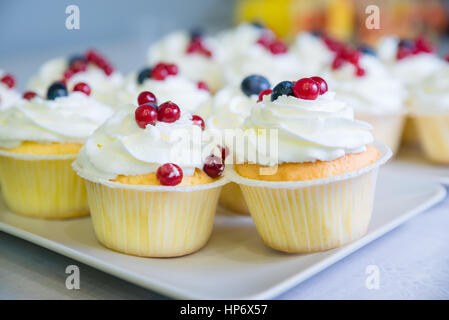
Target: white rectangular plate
{"type": "Point", "coordinates": [235, 264]}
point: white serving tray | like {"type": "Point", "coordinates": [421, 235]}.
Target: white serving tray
{"type": "Point", "coordinates": [235, 264]}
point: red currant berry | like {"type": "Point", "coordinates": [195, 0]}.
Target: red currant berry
{"type": "Point", "coordinates": [169, 174]}
{"type": "Point", "coordinates": [447, 58]}
{"type": "Point", "coordinates": [278, 47]}
{"type": "Point", "coordinates": [306, 88]}
{"type": "Point", "coordinates": [264, 93]}
{"type": "Point", "coordinates": [337, 63]}
{"type": "Point", "coordinates": [203, 85]}
{"type": "Point", "coordinates": [146, 97]}
{"type": "Point", "coordinates": [9, 80]}
{"type": "Point", "coordinates": [354, 57]}
{"type": "Point", "coordinates": [68, 73]}
{"type": "Point", "coordinates": [359, 71]}
{"type": "Point", "coordinates": [92, 56]}
{"type": "Point", "coordinates": [29, 95]}
{"type": "Point", "coordinates": [266, 39]}
{"type": "Point", "coordinates": [194, 46]}
{"type": "Point", "coordinates": [224, 152]}
{"type": "Point", "coordinates": [403, 52]}
{"type": "Point", "coordinates": [78, 66]}
{"type": "Point", "coordinates": [423, 45]}
{"type": "Point", "coordinates": [172, 69]}
{"type": "Point", "coordinates": [213, 166]}
{"type": "Point", "coordinates": [146, 114]}
{"type": "Point", "coordinates": [322, 84]}
{"type": "Point", "coordinates": [168, 112]}
{"type": "Point", "coordinates": [159, 72]}
{"type": "Point", "coordinates": [82, 87]}
{"type": "Point", "coordinates": [197, 120]}
{"type": "Point", "coordinates": [108, 69]}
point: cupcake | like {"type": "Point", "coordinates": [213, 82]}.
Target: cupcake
{"type": "Point", "coordinates": [230, 106]}
{"type": "Point", "coordinates": [410, 61]}
{"type": "Point", "coordinates": [91, 68]}
{"type": "Point", "coordinates": [39, 138]}
{"type": "Point", "coordinates": [252, 49]}
{"type": "Point", "coordinates": [196, 54]}
{"type": "Point", "coordinates": [429, 111]}
{"type": "Point", "coordinates": [315, 191]}
{"type": "Point", "coordinates": [159, 195]}
{"type": "Point", "coordinates": [165, 81]}
{"type": "Point", "coordinates": [8, 95]}
{"type": "Point", "coordinates": [363, 82]}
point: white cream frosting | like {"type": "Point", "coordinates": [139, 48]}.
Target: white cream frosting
{"type": "Point", "coordinates": [230, 107]}
{"type": "Point", "coordinates": [8, 96]}
{"type": "Point", "coordinates": [308, 130]}
{"type": "Point", "coordinates": [138, 151]}
{"type": "Point", "coordinates": [172, 49]}
{"type": "Point", "coordinates": [377, 92]}
{"type": "Point", "coordinates": [103, 86]}
{"type": "Point", "coordinates": [66, 119]}
{"type": "Point", "coordinates": [178, 89]}
{"type": "Point", "coordinates": [312, 52]}
{"type": "Point", "coordinates": [431, 96]}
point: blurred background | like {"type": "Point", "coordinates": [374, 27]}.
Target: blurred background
{"type": "Point", "coordinates": [32, 32]}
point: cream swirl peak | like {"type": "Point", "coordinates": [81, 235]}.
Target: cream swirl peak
{"type": "Point", "coordinates": [71, 118]}
{"type": "Point", "coordinates": [315, 127]}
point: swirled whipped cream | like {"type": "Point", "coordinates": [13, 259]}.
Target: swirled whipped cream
{"type": "Point", "coordinates": [376, 92]}
{"type": "Point", "coordinates": [72, 118]}
{"type": "Point", "coordinates": [8, 96]}
{"type": "Point", "coordinates": [230, 107]}
{"type": "Point", "coordinates": [308, 130]}
{"type": "Point", "coordinates": [313, 52]}
{"type": "Point", "coordinates": [138, 151]}
{"type": "Point", "coordinates": [410, 70]}
{"type": "Point", "coordinates": [432, 95]}
{"type": "Point", "coordinates": [103, 87]}
{"type": "Point", "coordinates": [178, 89]}
{"type": "Point", "coordinates": [195, 66]}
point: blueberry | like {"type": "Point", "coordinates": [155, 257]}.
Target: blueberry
{"type": "Point", "coordinates": [367, 50]}
{"type": "Point", "coordinates": [254, 84]}
{"type": "Point", "coordinates": [407, 43]}
{"type": "Point", "coordinates": [196, 33]}
{"type": "Point", "coordinates": [284, 88]}
{"type": "Point", "coordinates": [316, 33]}
{"type": "Point", "coordinates": [143, 75]}
{"type": "Point", "coordinates": [57, 89]}
{"type": "Point", "coordinates": [151, 104]}
{"type": "Point", "coordinates": [258, 24]}
{"type": "Point", "coordinates": [77, 57]}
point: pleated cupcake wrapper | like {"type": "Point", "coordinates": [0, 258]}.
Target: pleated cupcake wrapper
{"type": "Point", "coordinates": [42, 186]}
{"type": "Point", "coordinates": [433, 133]}
{"type": "Point", "coordinates": [316, 215]}
{"type": "Point", "coordinates": [152, 221]}
{"type": "Point", "coordinates": [231, 198]}
{"type": "Point", "coordinates": [387, 128]}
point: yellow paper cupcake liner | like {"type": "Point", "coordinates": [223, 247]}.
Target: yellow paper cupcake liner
{"type": "Point", "coordinates": [316, 215]}
{"type": "Point", "coordinates": [387, 128]}
{"type": "Point", "coordinates": [433, 132]}
{"type": "Point", "coordinates": [42, 186]}
{"type": "Point", "coordinates": [231, 198]}
{"type": "Point", "coordinates": [152, 221]}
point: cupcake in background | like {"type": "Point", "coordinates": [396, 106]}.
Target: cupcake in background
{"type": "Point", "coordinates": [167, 83]}
{"type": "Point", "coordinates": [316, 192]}
{"type": "Point", "coordinates": [196, 55]}
{"type": "Point", "coordinates": [91, 68]}
{"type": "Point", "coordinates": [429, 111]}
{"type": "Point", "coordinates": [253, 49]}
{"type": "Point", "coordinates": [39, 138]}
{"type": "Point", "coordinates": [8, 95]}
{"type": "Point", "coordinates": [361, 80]}
{"type": "Point", "coordinates": [230, 107]}
{"type": "Point", "coordinates": [159, 195]}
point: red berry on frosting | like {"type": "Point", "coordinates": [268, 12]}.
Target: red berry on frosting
{"type": "Point", "coordinates": [306, 88]}
{"type": "Point", "coordinates": [197, 46]}
{"type": "Point", "coordinates": [9, 80]}
{"type": "Point", "coordinates": [28, 95]}
{"type": "Point", "coordinates": [423, 45]}
{"type": "Point", "coordinates": [403, 52]}
{"type": "Point", "coordinates": [213, 166]}
{"type": "Point", "coordinates": [172, 69]}
{"type": "Point", "coordinates": [168, 112]}
{"type": "Point", "coordinates": [197, 120]}
{"type": "Point", "coordinates": [322, 84]}
{"type": "Point", "coordinates": [360, 72]}
{"type": "Point", "coordinates": [203, 85]}
{"type": "Point", "coordinates": [92, 56]}
{"type": "Point", "coordinates": [264, 93]}
{"type": "Point", "coordinates": [169, 174]}
{"type": "Point", "coordinates": [447, 58]}
{"type": "Point", "coordinates": [68, 73]}
{"type": "Point", "coordinates": [146, 114]}
{"type": "Point", "coordinates": [337, 63]}
{"type": "Point", "coordinates": [146, 97]}
{"type": "Point", "coordinates": [277, 47]}
{"type": "Point", "coordinates": [78, 66]}
{"type": "Point", "coordinates": [82, 87]}
{"type": "Point", "coordinates": [159, 72]}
